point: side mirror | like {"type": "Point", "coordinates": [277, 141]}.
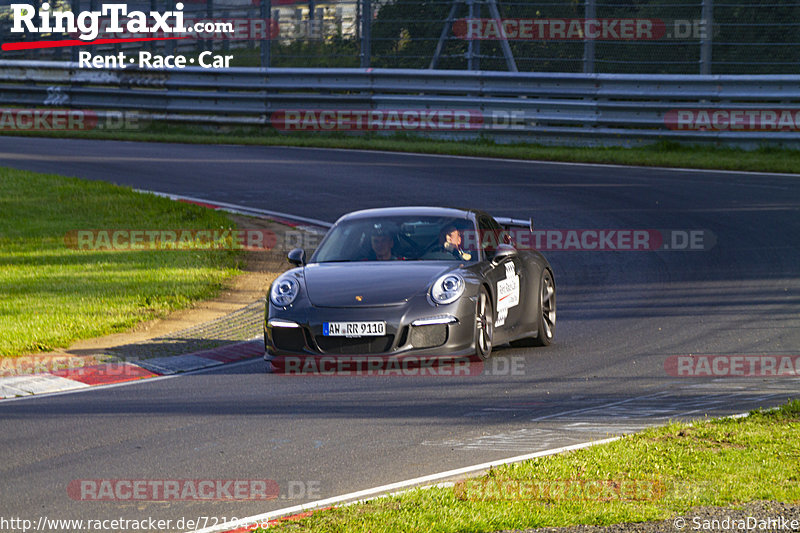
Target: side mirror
{"type": "Point", "coordinates": [297, 257]}
{"type": "Point", "coordinates": [503, 251]}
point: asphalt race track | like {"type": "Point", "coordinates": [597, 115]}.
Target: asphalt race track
{"type": "Point", "coordinates": [621, 316]}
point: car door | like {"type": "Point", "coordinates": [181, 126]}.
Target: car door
{"type": "Point", "coordinates": [507, 278]}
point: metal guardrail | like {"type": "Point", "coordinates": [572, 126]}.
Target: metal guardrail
{"type": "Point", "coordinates": [604, 107]}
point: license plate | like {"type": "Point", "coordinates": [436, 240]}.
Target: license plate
{"type": "Point", "coordinates": [354, 329]}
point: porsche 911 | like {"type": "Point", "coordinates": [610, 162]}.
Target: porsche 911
{"type": "Point", "coordinates": [413, 280]}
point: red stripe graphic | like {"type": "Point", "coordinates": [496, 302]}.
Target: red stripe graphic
{"type": "Point", "coordinates": [62, 44]}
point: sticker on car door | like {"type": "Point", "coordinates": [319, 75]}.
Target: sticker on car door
{"type": "Point", "coordinates": [507, 293]}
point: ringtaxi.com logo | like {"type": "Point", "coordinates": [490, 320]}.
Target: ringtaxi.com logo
{"type": "Point", "coordinates": [87, 24]}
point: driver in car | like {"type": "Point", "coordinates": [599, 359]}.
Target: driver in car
{"type": "Point", "coordinates": [381, 243]}
{"type": "Point", "coordinates": [451, 243]}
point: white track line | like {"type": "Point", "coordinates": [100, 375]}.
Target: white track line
{"type": "Point", "coordinates": [384, 490]}
{"type": "Point", "coordinates": [423, 482]}
{"type": "Point", "coordinates": [241, 209]}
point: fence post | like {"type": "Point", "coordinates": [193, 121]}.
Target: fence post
{"type": "Point", "coordinates": [448, 23]}
{"type": "Point", "coordinates": [311, 32]}
{"type": "Point", "coordinates": [706, 37]}
{"type": "Point", "coordinates": [154, 44]}
{"type": "Point", "coordinates": [366, 33]}
{"type": "Point", "coordinates": [169, 46]}
{"type": "Point", "coordinates": [590, 12]}
{"type": "Point", "coordinates": [265, 12]}
{"type": "Point", "coordinates": [476, 43]}
{"type": "Point", "coordinates": [473, 46]}
{"type": "Point", "coordinates": [494, 12]}
{"type": "Point", "coordinates": [76, 9]}
{"type": "Point", "coordinates": [208, 43]}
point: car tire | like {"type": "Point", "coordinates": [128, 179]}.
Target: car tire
{"type": "Point", "coordinates": [484, 325]}
{"type": "Point", "coordinates": [546, 321]}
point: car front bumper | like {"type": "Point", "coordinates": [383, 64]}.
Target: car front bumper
{"type": "Point", "coordinates": [415, 327]}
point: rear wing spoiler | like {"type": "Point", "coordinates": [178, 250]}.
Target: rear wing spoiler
{"type": "Point", "coordinates": [509, 223]}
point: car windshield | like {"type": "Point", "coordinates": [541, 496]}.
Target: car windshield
{"type": "Point", "coordinates": [401, 238]}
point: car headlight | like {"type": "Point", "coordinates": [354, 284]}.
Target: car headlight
{"type": "Point", "coordinates": [284, 291]}
{"type": "Point", "coordinates": [447, 289]}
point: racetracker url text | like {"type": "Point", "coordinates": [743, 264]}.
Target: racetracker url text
{"type": "Point", "coordinates": [44, 523]}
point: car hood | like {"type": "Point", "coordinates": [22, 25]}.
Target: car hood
{"type": "Point", "coordinates": [378, 284]}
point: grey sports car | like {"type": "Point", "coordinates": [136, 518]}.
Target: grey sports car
{"type": "Point", "coordinates": [413, 280]}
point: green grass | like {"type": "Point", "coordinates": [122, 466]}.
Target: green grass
{"type": "Point", "coordinates": [666, 154]}
{"type": "Point", "coordinates": [51, 295]}
{"type": "Point", "coordinates": [662, 472]}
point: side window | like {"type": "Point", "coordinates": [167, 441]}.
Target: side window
{"type": "Point", "coordinates": [487, 236]}
{"type": "Point", "coordinates": [492, 234]}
